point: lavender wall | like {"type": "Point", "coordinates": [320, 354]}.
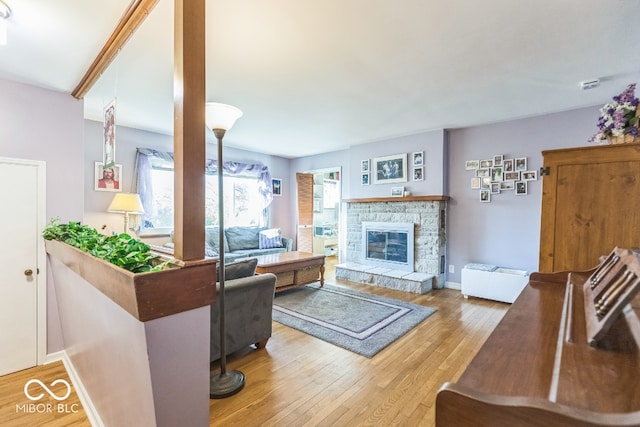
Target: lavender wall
{"type": "Point", "coordinates": [40, 124]}
{"type": "Point", "coordinates": [506, 231]}
{"type": "Point", "coordinates": [128, 139]}
{"type": "Point", "coordinates": [431, 143]}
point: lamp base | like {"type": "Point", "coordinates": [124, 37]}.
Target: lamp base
{"type": "Point", "coordinates": [225, 385]}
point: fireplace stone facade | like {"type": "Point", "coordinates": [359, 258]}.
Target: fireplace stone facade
{"type": "Point", "coordinates": [428, 214]}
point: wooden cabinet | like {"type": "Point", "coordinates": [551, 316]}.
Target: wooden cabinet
{"type": "Point", "coordinates": [590, 204]}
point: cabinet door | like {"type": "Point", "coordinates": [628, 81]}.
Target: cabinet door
{"type": "Point", "coordinates": [590, 204]}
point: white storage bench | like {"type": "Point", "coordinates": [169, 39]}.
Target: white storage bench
{"type": "Point", "coordinates": [493, 282]}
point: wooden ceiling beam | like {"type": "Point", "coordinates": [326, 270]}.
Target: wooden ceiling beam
{"type": "Point", "coordinates": [133, 17]}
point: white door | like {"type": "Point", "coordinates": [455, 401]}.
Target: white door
{"type": "Point", "coordinates": [20, 223]}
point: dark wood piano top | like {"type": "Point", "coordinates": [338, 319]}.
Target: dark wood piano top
{"type": "Point", "coordinates": [538, 368]}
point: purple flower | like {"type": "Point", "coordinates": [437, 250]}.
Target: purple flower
{"type": "Point", "coordinates": [619, 117]}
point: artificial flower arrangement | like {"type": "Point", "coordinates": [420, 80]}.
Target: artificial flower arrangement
{"type": "Point", "coordinates": [619, 118]}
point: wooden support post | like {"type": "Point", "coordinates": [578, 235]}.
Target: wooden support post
{"type": "Point", "coordinates": [189, 129]}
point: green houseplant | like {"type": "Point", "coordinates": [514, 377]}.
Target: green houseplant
{"type": "Point", "coordinates": [119, 249]}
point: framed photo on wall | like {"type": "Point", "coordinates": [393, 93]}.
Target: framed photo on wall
{"type": "Point", "coordinates": [276, 186]}
{"type": "Point", "coordinates": [418, 158]}
{"type": "Point", "coordinates": [471, 164]}
{"type": "Point", "coordinates": [418, 174]}
{"type": "Point", "coordinates": [109, 135]}
{"type": "Point", "coordinates": [107, 178]}
{"type": "Point", "coordinates": [364, 165]}
{"type": "Point", "coordinates": [390, 169]}
{"type": "Point", "coordinates": [397, 191]}
{"type": "Point", "coordinates": [364, 179]}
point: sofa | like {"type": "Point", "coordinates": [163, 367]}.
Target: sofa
{"type": "Point", "coordinates": [244, 242]}
{"type": "Point", "coordinates": [248, 308]}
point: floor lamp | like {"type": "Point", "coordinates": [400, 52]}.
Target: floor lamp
{"type": "Point", "coordinates": [220, 118]}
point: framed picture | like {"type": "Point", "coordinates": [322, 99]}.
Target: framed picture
{"type": "Point", "coordinates": [475, 183]}
{"type": "Point", "coordinates": [486, 182]}
{"type": "Point", "coordinates": [520, 164]}
{"type": "Point", "coordinates": [497, 160]}
{"type": "Point", "coordinates": [483, 172]}
{"type": "Point", "coordinates": [511, 176]}
{"type": "Point", "coordinates": [390, 169]}
{"type": "Point", "coordinates": [276, 186]}
{"type": "Point", "coordinates": [397, 191]}
{"type": "Point", "coordinates": [107, 178]}
{"type": "Point", "coordinates": [418, 174]}
{"type": "Point", "coordinates": [495, 188]}
{"type": "Point", "coordinates": [529, 175]}
{"type": "Point", "coordinates": [521, 188]}
{"type": "Point", "coordinates": [496, 173]}
{"type": "Point", "coordinates": [364, 165]}
{"type": "Point", "coordinates": [507, 185]}
{"type": "Point", "coordinates": [507, 165]}
{"type": "Point", "coordinates": [485, 196]}
{"type": "Point", "coordinates": [418, 158]}
{"type": "Point", "coordinates": [109, 135]}
{"type": "Point", "coordinates": [364, 179]}
{"type": "Point", "coordinates": [486, 164]}
{"type": "Point", "coordinates": [471, 164]}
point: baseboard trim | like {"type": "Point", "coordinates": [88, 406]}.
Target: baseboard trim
{"type": "Point", "coordinates": [87, 404]}
{"type": "Point", "coordinates": [452, 285]}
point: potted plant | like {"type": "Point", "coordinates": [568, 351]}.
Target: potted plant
{"type": "Point", "coordinates": [145, 284]}
{"type": "Point", "coordinates": [619, 122]}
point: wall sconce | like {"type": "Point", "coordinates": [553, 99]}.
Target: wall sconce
{"type": "Point", "coordinates": [126, 203]}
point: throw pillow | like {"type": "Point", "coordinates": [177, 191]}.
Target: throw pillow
{"type": "Point", "coordinates": [240, 238]}
{"type": "Point", "coordinates": [240, 269]}
{"type": "Point", "coordinates": [210, 251]}
{"type": "Point", "coordinates": [270, 238]}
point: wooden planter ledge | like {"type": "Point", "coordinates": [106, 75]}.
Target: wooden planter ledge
{"type": "Point", "coordinates": [146, 296]}
{"type": "Point", "coordinates": [399, 199]}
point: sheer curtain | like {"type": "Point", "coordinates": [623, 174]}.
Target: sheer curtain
{"type": "Point", "coordinates": [147, 159]}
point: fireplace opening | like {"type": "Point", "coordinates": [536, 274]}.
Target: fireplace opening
{"type": "Point", "coordinates": [388, 244]}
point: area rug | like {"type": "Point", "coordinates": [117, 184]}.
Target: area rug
{"type": "Point", "coordinates": [362, 323]}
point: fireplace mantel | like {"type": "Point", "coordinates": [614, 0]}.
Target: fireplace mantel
{"type": "Point", "coordinates": [398, 199]}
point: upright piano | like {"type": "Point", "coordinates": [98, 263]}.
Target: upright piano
{"type": "Point", "coordinates": [567, 353]}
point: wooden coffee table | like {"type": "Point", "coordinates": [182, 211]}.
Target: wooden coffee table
{"type": "Point", "coordinates": [292, 269]}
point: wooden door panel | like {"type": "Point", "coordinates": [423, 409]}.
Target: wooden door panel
{"type": "Point", "coordinates": [596, 205]}
{"type": "Point", "coordinates": [304, 183]}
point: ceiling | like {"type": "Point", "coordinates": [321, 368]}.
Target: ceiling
{"type": "Point", "coordinates": [316, 76]}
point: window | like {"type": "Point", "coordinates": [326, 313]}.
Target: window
{"type": "Point", "coordinates": [245, 194]}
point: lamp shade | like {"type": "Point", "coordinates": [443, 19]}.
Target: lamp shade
{"type": "Point", "coordinates": [5, 13]}
{"type": "Point", "coordinates": [221, 116]}
{"type": "Point", "coordinates": [126, 203]}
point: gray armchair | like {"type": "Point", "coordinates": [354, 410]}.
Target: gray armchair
{"type": "Point", "coordinates": [248, 304]}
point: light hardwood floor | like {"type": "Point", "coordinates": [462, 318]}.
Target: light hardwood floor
{"type": "Point", "coordinates": [299, 380]}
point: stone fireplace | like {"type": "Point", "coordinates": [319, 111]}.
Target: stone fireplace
{"type": "Point", "coordinates": [427, 215]}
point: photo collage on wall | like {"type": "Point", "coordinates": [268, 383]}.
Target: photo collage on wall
{"type": "Point", "coordinates": [392, 169]}
{"type": "Point", "coordinates": [498, 174]}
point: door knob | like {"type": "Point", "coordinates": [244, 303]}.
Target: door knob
{"type": "Point", "coordinates": [28, 272]}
